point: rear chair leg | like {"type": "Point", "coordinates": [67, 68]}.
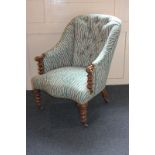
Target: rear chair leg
{"type": "Point", "coordinates": [105, 95]}
{"type": "Point", "coordinates": [37, 98]}
{"type": "Point", "coordinates": [83, 108]}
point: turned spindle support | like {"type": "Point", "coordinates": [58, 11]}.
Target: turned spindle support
{"type": "Point", "coordinates": [83, 110]}
{"type": "Point", "coordinates": [89, 70]}
{"type": "Point", "coordinates": [105, 95]}
{"type": "Point", "coordinates": [39, 59]}
{"type": "Point", "coordinates": [37, 96]}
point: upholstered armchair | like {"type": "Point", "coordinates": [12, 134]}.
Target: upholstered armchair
{"type": "Point", "coordinates": [77, 67]}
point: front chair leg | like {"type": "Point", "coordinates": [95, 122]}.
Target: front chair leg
{"type": "Point", "coordinates": [37, 98]}
{"type": "Point", "coordinates": [105, 95]}
{"type": "Point", "coordinates": [83, 108]}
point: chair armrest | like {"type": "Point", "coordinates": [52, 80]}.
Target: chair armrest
{"type": "Point", "coordinates": [90, 77]}
{"type": "Point", "coordinates": [59, 56]}
{"type": "Point", "coordinates": [98, 70]}
{"type": "Point", "coordinates": [40, 64]}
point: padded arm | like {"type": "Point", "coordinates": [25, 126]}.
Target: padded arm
{"type": "Point", "coordinates": [61, 55]}
{"type": "Point", "coordinates": [100, 66]}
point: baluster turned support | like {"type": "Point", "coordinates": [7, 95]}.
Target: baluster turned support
{"type": "Point", "coordinates": [39, 59]}
{"type": "Point", "coordinates": [83, 108]}
{"type": "Point", "coordinates": [105, 95]}
{"type": "Point", "coordinates": [37, 96]}
{"type": "Point", "coordinates": [89, 70]}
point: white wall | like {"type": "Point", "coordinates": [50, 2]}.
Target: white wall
{"type": "Point", "coordinates": [46, 20]}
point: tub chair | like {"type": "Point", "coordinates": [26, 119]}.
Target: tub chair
{"type": "Point", "coordinates": [77, 66]}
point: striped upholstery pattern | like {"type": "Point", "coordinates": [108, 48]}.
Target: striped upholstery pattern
{"type": "Point", "coordinates": [89, 39]}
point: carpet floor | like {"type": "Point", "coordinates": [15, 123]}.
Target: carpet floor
{"type": "Point", "coordinates": [57, 130]}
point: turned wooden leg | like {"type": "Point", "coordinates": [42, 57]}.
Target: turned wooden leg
{"type": "Point", "coordinates": [105, 95]}
{"type": "Point", "coordinates": [83, 113]}
{"type": "Point", "coordinates": [37, 98]}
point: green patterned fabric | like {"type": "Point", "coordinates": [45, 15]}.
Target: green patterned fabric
{"type": "Point", "coordinates": [62, 54]}
{"type": "Point", "coordinates": [87, 39]}
{"type": "Point", "coordinates": [90, 37]}
{"type": "Point", "coordinates": [65, 82]}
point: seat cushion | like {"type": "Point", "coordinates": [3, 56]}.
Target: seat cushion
{"type": "Point", "coordinates": [65, 82]}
